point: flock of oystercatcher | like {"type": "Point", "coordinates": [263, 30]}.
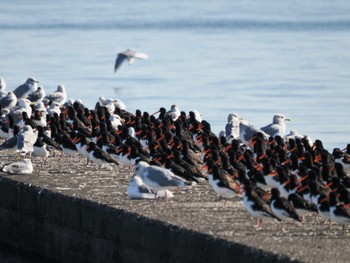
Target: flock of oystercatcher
{"type": "Point", "coordinates": [277, 176]}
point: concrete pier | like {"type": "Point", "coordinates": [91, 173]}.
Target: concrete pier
{"type": "Point", "coordinates": [68, 212]}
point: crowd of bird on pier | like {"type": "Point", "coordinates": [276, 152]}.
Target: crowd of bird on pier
{"type": "Point", "coordinates": [277, 175]}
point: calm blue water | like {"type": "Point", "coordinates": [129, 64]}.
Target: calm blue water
{"type": "Point", "coordinates": [256, 58]}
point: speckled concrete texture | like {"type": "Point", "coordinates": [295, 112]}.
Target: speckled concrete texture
{"type": "Point", "coordinates": [196, 209]}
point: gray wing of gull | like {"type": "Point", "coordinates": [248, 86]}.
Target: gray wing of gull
{"type": "Point", "coordinates": [10, 143]}
{"type": "Point", "coordinates": [120, 59]}
{"type": "Point", "coordinates": [144, 189]}
{"type": "Point", "coordinates": [55, 96]}
{"type": "Point", "coordinates": [247, 132]}
{"type": "Point", "coordinates": [6, 101]}
{"type": "Point", "coordinates": [20, 141]}
{"type": "Point", "coordinates": [162, 177]}
{"type": "Point", "coordinates": [35, 96]}
{"type": "Point", "coordinates": [230, 130]}
{"type": "Point", "coordinates": [19, 91]}
{"type": "Point", "coordinates": [172, 115]}
{"type": "Point", "coordinates": [271, 129]}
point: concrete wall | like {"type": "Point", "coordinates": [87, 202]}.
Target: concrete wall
{"type": "Point", "coordinates": [58, 228]}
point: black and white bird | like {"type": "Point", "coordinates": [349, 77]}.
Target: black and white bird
{"type": "Point", "coordinates": [255, 205]}
{"type": "Point", "coordinates": [98, 156]}
{"type": "Point", "coordinates": [282, 208]}
{"type": "Point", "coordinates": [302, 206]}
{"type": "Point", "coordinates": [130, 55]}
{"type": "Point", "coordinates": [221, 182]}
{"type": "Point", "coordinates": [339, 214]}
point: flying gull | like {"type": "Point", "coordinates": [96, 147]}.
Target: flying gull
{"type": "Point", "coordinates": [130, 55]}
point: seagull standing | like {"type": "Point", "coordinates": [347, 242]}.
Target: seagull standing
{"type": "Point", "coordinates": [2, 87]}
{"type": "Point", "coordinates": [8, 101]}
{"type": "Point", "coordinates": [59, 96]}
{"type": "Point", "coordinates": [247, 131]}
{"type": "Point", "coordinates": [22, 105]}
{"type": "Point", "coordinates": [25, 140]}
{"type": "Point", "coordinates": [277, 127]}
{"type": "Point", "coordinates": [119, 104]}
{"type": "Point", "coordinates": [130, 55]}
{"type": "Point", "coordinates": [174, 112]}
{"type": "Point", "coordinates": [232, 127]}
{"type": "Point", "coordinates": [37, 96]}
{"type": "Point", "coordinates": [25, 89]}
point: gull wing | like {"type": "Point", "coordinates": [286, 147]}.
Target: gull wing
{"type": "Point", "coordinates": [271, 129]}
{"type": "Point", "coordinates": [141, 55]}
{"type": "Point", "coordinates": [120, 59]}
{"type": "Point", "coordinates": [10, 143]}
{"type": "Point", "coordinates": [7, 100]}
{"type": "Point", "coordinates": [22, 89]}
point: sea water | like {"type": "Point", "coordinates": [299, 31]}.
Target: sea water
{"type": "Point", "coordinates": [255, 58]}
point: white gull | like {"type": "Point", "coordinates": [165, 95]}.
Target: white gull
{"type": "Point", "coordinates": [158, 177]}
{"type": "Point", "coordinates": [129, 55]}
{"type": "Point", "coordinates": [8, 101]}
{"type": "Point", "coordinates": [59, 96]}
{"type": "Point", "coordinates": [174, 112]}
{"type": "Point", "coordinates": [247, 131]}
{"type": "Point", "coordinates": [277, 127]}
{"type": "Point", "coordinates": [25, 89]}
{"type": "Point", "coordinates": [24, 166]}
{"type": "Point", "coordinates": [137, 189]}
{"type": "Point", "coordinates": [25, 140]}
{"type": "Point", "coordinates": [232, 127]}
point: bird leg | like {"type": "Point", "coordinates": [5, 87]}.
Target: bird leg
{"type": "Point", "coordinates": [258, 224]}
{"type": "Point", "coordinates": [282, 227]}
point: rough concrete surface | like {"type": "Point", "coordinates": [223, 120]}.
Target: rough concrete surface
{"type": "Point", "coordinates": [197, 209]}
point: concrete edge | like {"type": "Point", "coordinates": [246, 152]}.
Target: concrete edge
{"type": "Point", "coordinates": [65, 228]}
